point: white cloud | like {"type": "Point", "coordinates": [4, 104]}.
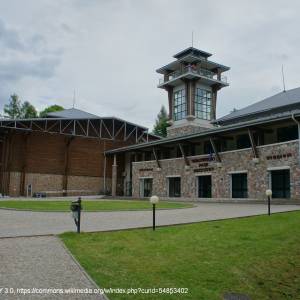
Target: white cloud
{"type": "Point", "coordinates": [109, 50]}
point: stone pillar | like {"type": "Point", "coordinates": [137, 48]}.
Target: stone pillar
{"type": "Point", "coordinates": [114, 177]}
{"type": "Point", "coordinates": [170, 98]}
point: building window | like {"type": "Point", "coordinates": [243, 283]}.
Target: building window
{"type": "Point", "coordinates": [203, 104]}
{"type": "Point", "coordinates": [179, 105]}
{"type": "Point", "coordinates": [239, 185]}
{"type": "Point", "coordinates": [243, 141]}
{"type": "Point", "coordinates": [174, 186]}
{"type": "Point", "coordinates": [280, 182]}
{"type": "Point", "coordinates": [287, 133]}
{"type": "Point", "coordinates": [146, 187]}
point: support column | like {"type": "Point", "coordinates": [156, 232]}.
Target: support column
{"type": "Point", "coordinates": [253, 145]}
{"type": "Point", "coordinates": [24, 166]}
{"type": "Point", "coordinates": [186, 161]}
{"type": "Point", "coordinates": [213, 145]}
{"type": "Point", "coordinates": [214, 103]}
{"type": "Point", "coordinates": [170, 98]}
{"type": "Point", "coordinates": [66, 167]}
{"type": "Point", "coordinates": [114, 177]}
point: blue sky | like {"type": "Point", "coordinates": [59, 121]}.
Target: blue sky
{"type": "Point", "coordinates": [108, 51]}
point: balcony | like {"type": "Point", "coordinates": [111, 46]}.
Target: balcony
{"type": "Point", "coordinates": [190, 72]}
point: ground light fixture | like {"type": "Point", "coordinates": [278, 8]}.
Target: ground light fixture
{"type": "Point", "coordinates": [269, 195]}
{"type": "Point", "coordinates": [154, 200]}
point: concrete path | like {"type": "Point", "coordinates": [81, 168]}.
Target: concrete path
{"type": "Point", "coordinates": [40, 263]}
{"type": "Point", "coordinates": [25, 223]}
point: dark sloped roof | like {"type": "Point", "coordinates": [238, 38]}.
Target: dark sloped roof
{"type": "Point", "coordinates": [281, 99]}
{"type": "Point", "coordinates": [212, 132]}
{"type": "Point", "coordinates": [72, 113]}
{"type": "Point", "coordinates": [192, 50]}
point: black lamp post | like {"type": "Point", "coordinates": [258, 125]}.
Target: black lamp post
{"type": "Point", "coordinates": [154, 200]}
{"type": "Point", "coordinates": [269, 195]}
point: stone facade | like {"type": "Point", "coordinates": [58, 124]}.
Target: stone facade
{"type": "Point", "coordinates": [281, 155]}
{"type": "Point", "coordinates": [184, 130]}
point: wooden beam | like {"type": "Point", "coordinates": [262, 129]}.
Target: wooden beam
{"type": "Point", "coordinates": [24, 166]}
{"type": "Point", "coordinates": [156, 158]}
{"type": "Point", "coordinates": [252, 141]}
{"type": "Point", "coordinates": [186, 161]}
{"type": "Point", "coordinates": [212, 142]}
{"type": "Point", "coordinates": [66, 166]}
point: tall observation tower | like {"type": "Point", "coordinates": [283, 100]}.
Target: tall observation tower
{"type": "Point", "coordinates": [192, 82]}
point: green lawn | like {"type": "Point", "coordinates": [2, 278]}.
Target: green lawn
{"type": "Point", "coordinates": [258, 256]}
{"type": "Point", "coordinates": [104, 205]}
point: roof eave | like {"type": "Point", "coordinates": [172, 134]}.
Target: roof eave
{"type": "Point", "coordinates": [220, 129]}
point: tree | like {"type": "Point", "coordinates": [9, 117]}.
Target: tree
{"type": "Point", "coordinates": [28, 111]}
{"type": "Point", "coordinates": [161, 123]}
{"type": "Point", "coordinates": [49, 109]}
{"type": "Point", "coordinates": [14, 108]}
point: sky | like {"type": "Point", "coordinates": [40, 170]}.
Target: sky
{"type": "Point", "coordinates": [108, 51]}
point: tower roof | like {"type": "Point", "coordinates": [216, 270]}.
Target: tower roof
{"type": "Point", "coordinates": [193, 51]}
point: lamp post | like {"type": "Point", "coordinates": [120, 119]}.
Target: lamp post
{"type": "Point", "coordinates": [154, 200]}
{"type": "Point", "coordinates": [269, 195]}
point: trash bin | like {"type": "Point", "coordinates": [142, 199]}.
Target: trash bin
{"type": "Point", "coordinates": [75, 208]}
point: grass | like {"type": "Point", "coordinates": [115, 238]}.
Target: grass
{"type": "Point", "coordinates": [104, 205]}
{"type": "Point", "coordinates": [257, 256]}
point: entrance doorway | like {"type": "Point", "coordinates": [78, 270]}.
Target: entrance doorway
{"type": "Point", "coordinates": [280, 183]}
{"type": "Point", "coordinates": [146, 187]}
{"type": "Point", "coordinates": [174, 186]}
{"type": "Point", "coordinates": [239, 185]}
{"type": "Point", "coordinates": [204, 186]}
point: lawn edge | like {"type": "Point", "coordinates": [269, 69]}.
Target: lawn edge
{"type": "Point", "coordinates": [85, 273]}
{"type": "Point", "coordinates": [95, 211]}
{"type": "Point", "coordinates": [188, 223]}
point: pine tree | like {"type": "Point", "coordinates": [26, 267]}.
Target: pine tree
{"type": "Point", "coordinates": [161, 123]}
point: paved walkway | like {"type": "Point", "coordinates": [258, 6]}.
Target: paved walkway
{"type": "Point", "coordinates": [24, 223]}
{"type": "Point", "coordinates": [41, 263]}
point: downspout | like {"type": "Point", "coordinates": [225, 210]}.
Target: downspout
{"type": "Point", "coordinates": [298, 123]}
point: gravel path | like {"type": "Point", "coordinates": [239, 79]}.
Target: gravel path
{"type": "Point", "coordinates": [42, 263]}
{"type": "Point", "coordinates": [25, 223]}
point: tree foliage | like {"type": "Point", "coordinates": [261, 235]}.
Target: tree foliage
{"type": "Point", "coordinates": [14, 108]}
{"type": "Point", "coordinates": [161, 123]}
{"type": "Point", "coordinates": [28, 111]}
{"type": "Point", "coordinates": [49, 109]}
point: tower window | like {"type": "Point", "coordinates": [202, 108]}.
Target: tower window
{"type": "Point", "coordinates": [179, 105]}
{"type": "Point", "coordinates": [203, 104]}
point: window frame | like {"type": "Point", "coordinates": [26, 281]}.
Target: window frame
{"type": "Point", "coordinates": [203, 103]}
{"type": "Point", "coordinates": [179, 105]}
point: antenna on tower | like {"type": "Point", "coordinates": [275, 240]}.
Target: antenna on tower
{"type": "Point", "coordinates": [283, 81]}
{"type": "Point", "coordinates": [74, 98]}
{"type": "Point", "coordinates": [192, 38]}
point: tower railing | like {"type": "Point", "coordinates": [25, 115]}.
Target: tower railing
{"type": "Point", "coordinates": [193, 70]}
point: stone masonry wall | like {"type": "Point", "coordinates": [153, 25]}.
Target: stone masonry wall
{"type": "Point", "coordinates": [183, 130]}
{"type": "Point", "coordinates": [270, 156]}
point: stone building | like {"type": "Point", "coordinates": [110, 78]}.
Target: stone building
{"type": "Point", "coordinates": [235, 157]}
{"type": "Point", "coordinates": [63, 154]}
